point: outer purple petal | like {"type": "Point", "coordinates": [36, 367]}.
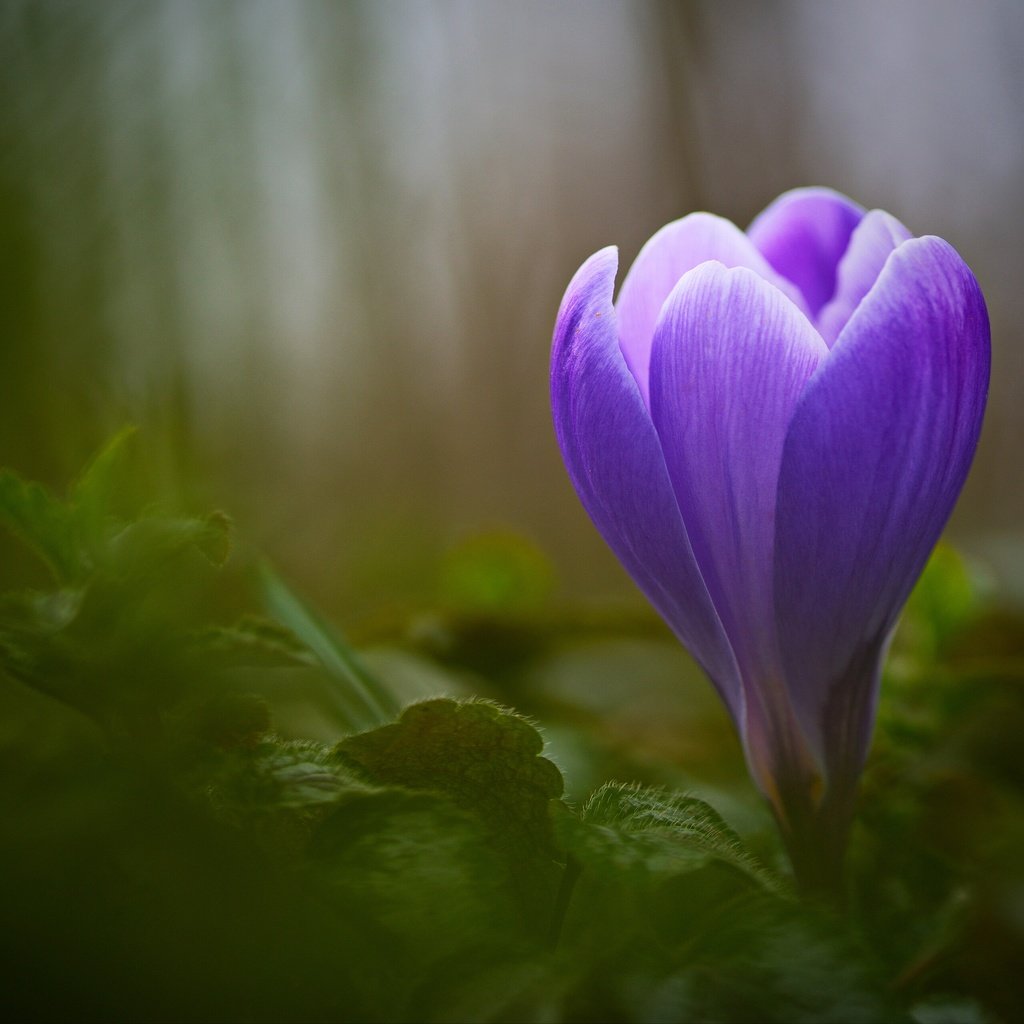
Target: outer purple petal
{"type": "Point", "coordinates": [873, 239]}
{"type": "Point", "coordinates": [803, 235]}
{"type": "Point", "coordinates": [731, 357]}
{"type": "Point", "coordinates": [616, 464]}
{"type": "Point", "coordinates": [675, 249]}
{"type": "Point", "coordinates": [877, 452]}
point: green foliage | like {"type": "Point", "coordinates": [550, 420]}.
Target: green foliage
{"type": "Point", "coordinates": [676, 920]}
{"type": "Point", "coordinates": [67, 535]}
{"type": "Point", "coordinates": [943, 602]}
{"type": "Point", "coordinates": [646, 834]}
{"type": "Point", "coordinates": [168, 853]}
{"type": "Point", "coordinates": [43, 522]}
{"type": "Point", "coordinates": [493, 572]}
{"type": "Point", "coordinates": [253, 642]}
{"type": "Point", "coordinates": [488, 762]}
{"type": "Point", "coordinates": [113, 640]}
{"type": "Point", "coordinates": [364, 701]}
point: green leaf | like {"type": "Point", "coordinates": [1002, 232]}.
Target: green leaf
{"type": "Point", "coordinates": [224, 719]}
{"type": "Point", "coordinates": [78, 536]}
{"type": "Point", "coordinates": [92, 495]}
{"type": "Point", "coordinates": [363, 700]}
{"type": "Point", "coordinates": [279, 792]}
{"type": "Point", "coordinates": [675, 920]}
{"type": "Point", "coordinates": [304, 775]}
{"type": "Point", "coordinates": [30, 623]}
{"type": "Point", "coordinates": [66, 535]}
{"type": "Point", "coordinates": [148, 544]}
{"type": "Point", "coordinates": [42, 522]}
{"type": "Point", "coordinates": [487, 760]}
{"type": "Point", "coordinates": [941, 604]}
{"type": "Point", "coordinates": [497, 571]}
{"type": "Point", "coordinates": [626, 830]}
{"type": "Point", "coordinates": [214, 537]}
{"type": "Point", "coordinates": [782, 962]}
{"type": "Point", "coordinates": [428, 887]}
{"type": "Point", "coordinates": [116, 644]}
{"type": "Point", "coordinates": [252, 642]}
{"type": "Point", "coordinates": [944, 1009]}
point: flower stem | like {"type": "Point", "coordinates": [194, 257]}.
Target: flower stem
{"type": "Point", "coordinates": [816, 838]}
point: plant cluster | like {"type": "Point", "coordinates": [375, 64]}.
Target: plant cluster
{"type": "Point", "coordinates": [169, 852]}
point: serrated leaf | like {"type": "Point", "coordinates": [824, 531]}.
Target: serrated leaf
{"type": "Point", "coordinates": [143, 546]}
{"type": "Point", "coordinates": [66, 534]}
{"type": "Point", "coordinates": [693, 927]}
{"type": "Point", "coordinates": [115, 643]}
{"type": "Point", "coordinates": [214, 539]}
{"type": "Point", "coordinates": [488, 761]}
{"type": "Point", "coordinates": [28, 621]}
{"type": "Point", "coordinates": [364, 701]}
{"type": "Point", "coordinates": [305, 780]}
{"type": "Point", "coordinates": [43, 522]}
{"type": "Point", "coordinates": [428, 886]}
{"type": "Point", "coordinates": [252, 642]}
{"type": "Point", "coordinates": [780, 962]}
{"type": "Point", "coordinates": [626, 829]}
{"type": "Point", "coordinates": [91, 496]}
{"type": "Point", "coordinates": [280, 789]}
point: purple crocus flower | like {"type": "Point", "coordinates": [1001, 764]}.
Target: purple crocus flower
{"type": "Point", "coordinates": [770, 430]}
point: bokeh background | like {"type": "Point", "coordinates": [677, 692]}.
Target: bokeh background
{"type": "Point", "coordinates": [315, 249]}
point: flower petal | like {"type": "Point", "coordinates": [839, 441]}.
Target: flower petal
{"type": "Point", "coordinates": [731, 356]}
{"type": "Point", "coordinates": [675, 249]}
{"type": "Point", "coordinates": [616, 464]}
{"type": "Point", "coordinates": [877, 452]}
{"type": "Point", "coordinates": [803, 235]}
{"type": "Point", "coordinates": [873, 239]}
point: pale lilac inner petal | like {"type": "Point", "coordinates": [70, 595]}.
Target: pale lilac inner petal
{"type": "Point", "coordinates": [803, 235]}
{"type": "Point", "coordinates": [877, 235]}
{"type": "Point", "coordinates": [675, 249]}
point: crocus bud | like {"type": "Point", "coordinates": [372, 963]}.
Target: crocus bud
{"type": "Point", "coordinates": [770, 429]}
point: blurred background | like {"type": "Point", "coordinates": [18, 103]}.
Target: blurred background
{"type": "Point", "coordinates": [315, 249]}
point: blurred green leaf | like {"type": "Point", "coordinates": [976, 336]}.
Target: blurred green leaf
{"type": "Point", "coordinates": [44, 523]}
{"type": "Point", "coordinates": [497, 571]}
{"type": "Point", "coordinates": [115, 641]}
{"type": "Point", "coordinates": [252, 642]}
{"type": "Point", "coordinates": [949, 1010]}
{"type": "Point", "coordinates": [82, 535]}
{"type": "Point", "coordinates": [488, 761]}
{"type": "Point", "coordinates": [144, 546]}
{"type": "Point", "coordinates": [224, 719]}
{"type": "Point", "coordinates": [93, 493]}
{"type": "Point", "coordinates": [941, 604]}
{"type": "Point", "coordinates": [363, 699]}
